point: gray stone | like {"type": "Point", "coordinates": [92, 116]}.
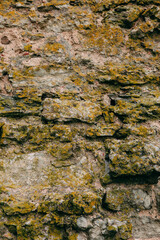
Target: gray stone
{"type": "Point", "coordinates": [83, 223]}
{"type": "Point", "coordinates": [96, 234]}
{"type": "Point", "coordinates": [26, 169]}
{"type": "Point", "coordinates": [99, 229]}
{"type": "Point", "coordinates": [157, 193]}
{"type": "Point", "coordinates": [115, 223]}
{"type": "Point", "coordinates": [146, 228]}
{"type": "Point", "coordinates": [133, 156]}
{"type": "Point", "coordinates": [141, 198]}
{"type": "Point", "coordinates": [82, 236]}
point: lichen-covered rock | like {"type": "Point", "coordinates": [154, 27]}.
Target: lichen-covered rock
{"type": "Point", "coordinates": [79, 118]}
{"type": "Point", "coordinates": [61, 153]}
{"type": "Point", "coordinates": [110, 229]}
{"type": "Point", "coordinates": [62, 132]}
{"type": "Point", "coordinates": [72, 203]}
{"type": "Point", "coordinates": [123, 228]}
{"type": "Point", "coordinates": [119, 199]}
{"type": "Point", "coordinates": [69, 110]}
{"type": "Point", "coordinates": [14, 108]}
{"type": "Point", "coordinates": [102, 130]}
{"type": "Point", "coordinates": [127, 74]}
{"type": "Point", "coordinates": [133, 156]}
{"type": "Point", "coordinates": [125, 16]}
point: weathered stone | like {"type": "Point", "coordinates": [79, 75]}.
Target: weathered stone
{"type": "Point", "coordinates": [145, 227]}
{"type": "Point", "coordinates": [79, 117]}
{"type": "Point", "coordinates": [141, 199]}
{"type": "Point", "coordinates": [119, 199]}
{"type": "Point", "coordinates": [125, 16]}
{"type": "Point", "coordinates": [12, 108]}
{"type": "Point", "coordinates": [102, 130]}
{"type": "Point", "coordinates": [61, 153]}
{"type": "Point", "coordinates": [83, 223]}
{"type": "Point", "coordinates": [133, 156]}
{"type": "Point", "coordinates": [123, 229]}
{"type": "Point", "coordinates": [77, 203]}
{"type": "Point", "coordinates": [137, 110]}
{"type": "Point", "coordinates": [69, 110]}
{"type": "Point", "coordinates": [99, 229]}
{"type": "Point", "coordinates": [26, 169]}
{"type": "Point", "coordinates": [157, 193]}
{"type": "Point", "coordinates": [143, 28]}
{"type": "Point", "coordinates": [62, 132]}
{"type": "Point", "coordinates": [96, 234]}
{"type": "Point", "coordinates": [82, 236]}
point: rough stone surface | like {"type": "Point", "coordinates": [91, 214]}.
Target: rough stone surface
{"type": "Point", "coordinates": [69, 110]}
{"type": "Point", "coordinates": [79, 120]}
{"type": "Point", "coordinates": [129, 199]}
{"type": "Point", "coordinates": [133, 156]}
{"type": "Point", "coordinates": [83, 223]}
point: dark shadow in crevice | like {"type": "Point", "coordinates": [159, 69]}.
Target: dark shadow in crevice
{"type": "Point", "coordinates": [66, 121]}
{"type": "Point", "coordinates": [1, 131]}
{"type": "Point", "coordinates": [17, 115]}
{"type": "Point", "coordinates": [151, 178]}
{"type": "Point", "coordinates": [12, 229]}
{"type": "Point", "coordinates": [49, 95]}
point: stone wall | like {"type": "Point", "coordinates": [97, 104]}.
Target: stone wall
{"type": "Point", "coordinates": [79, 119]}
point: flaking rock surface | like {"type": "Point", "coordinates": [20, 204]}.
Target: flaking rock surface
{"type": "Point", "coordinates": [79, 120]}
